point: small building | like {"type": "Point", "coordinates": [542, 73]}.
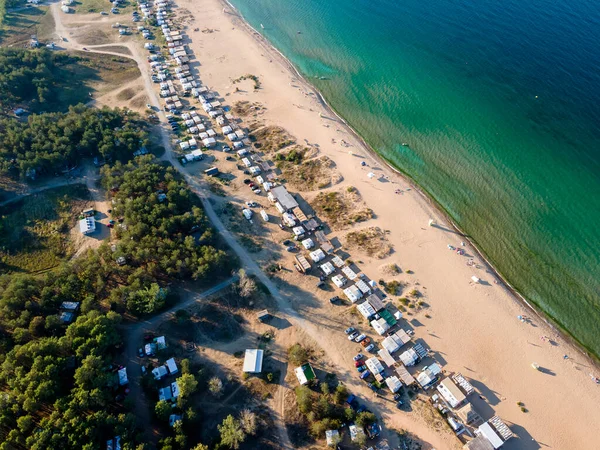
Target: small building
{"type": "Point", "coordinates": [87, 225]}
{"type": "Point", "coordinates": [172, 366]}
{"type": "Point", "coordinates": [390, 344]}
{"type": "Point", "coordinates": [375, 302]}
{"type": "Point", "coordinates": [161, 343]}
{"type": "Point", "coordinates": [123, 377]}
{"type": "Point", "coordinates": [317, 255]}
{"type": "Point", "coordinates": [308, 243]}
{"type": "Point", "coordinates": [462, 382]}
{"type": "Point", "coordinates": [337, 261]}
{"type": "Point", "coordinates": [213, 171]}
{"type": "Point", "coordinates": [374, 365]}
{"type": "Point", "coordinates": [209, 142]}
{"type": "Point", "coordinates": [66, 317]}
{"type": "Point", "coordinates": [479, 443]}
{"type": "Point", "coordinates": [327, 268]}
{"type": "Point", "coordinates": [253, 361]}
{"type": "Point", "coordinates": [429, 375]}
{"type": "Point", "coordinates": [451, 393]}
{"type": "Point", "coordinates": [159, 372]}
{"type": "Point", "coordinates": [353, 293]}
{"type": "Point", "coordinates": [284, 197]}
{"type": "Point", "coordinates": [305, 373]}
{"type": "Point", "coordinates": [364, 287]}
{"type": "Point", "coordinates": [366, 310]}
{"type": "Point", "coordinates": [339, 280]}
{"type": "Point", "coordinates": [388, 359]}
{"type": "Point", "coordinates": [393, 383]}
{"type": "Point", "coordinates": [69, 306]}
{"type": "Point", "coordinates": [175, 389]}
{"type": "Point", "coordinates": [405, 375]}
{"type": "Point", "coordinates": [380, 326]}
{"type": "Point", "coordinates": [303, 264]}
{"type": "Point", "coordinates": [350, 274]}
{"type": "Point", "coordinates": [332, 437]}
{"type": "Point", "coordinates": [263, 315]}
{"type": "Point", "coordinates": [468, 415]}
{"type": "Point", "coordinates": [165, 394]}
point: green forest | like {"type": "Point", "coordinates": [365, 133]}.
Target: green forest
{"type": "Point", "coordinates": [52, 142]}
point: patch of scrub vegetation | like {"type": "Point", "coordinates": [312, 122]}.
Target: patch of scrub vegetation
{"type": "Point", "coordinates": [304, 173]}
{"type": "Point", "coordinates": [243, 108]}
{"type": "Point", "coordinates": [34, 232]}
{"type": "Point", "coordinates": [127, 94]}
{"type": "Point", "coordinates": [248, 76]}
{"type": "Point", "coordinates": [341, 209]}
{"type": "Point", "coordinates": [372, 241]}
{"type": "Point", "coordinates": [271, 138]}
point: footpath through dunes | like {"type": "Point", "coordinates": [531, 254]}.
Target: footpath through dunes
{"type": "Point", "coordinates": [471, 328]}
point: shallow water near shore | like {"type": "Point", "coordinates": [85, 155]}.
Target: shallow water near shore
{"type": "Point", "coordinates": [500, 105]}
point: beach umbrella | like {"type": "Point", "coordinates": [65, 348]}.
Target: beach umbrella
{"type": "Point", "coordinates": [371, 175]}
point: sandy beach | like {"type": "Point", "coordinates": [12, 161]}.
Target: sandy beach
{"type": "Point", "coordinates": [471, 328]}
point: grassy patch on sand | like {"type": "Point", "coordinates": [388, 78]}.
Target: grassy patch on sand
{"type": "Point", "coordinates": [306, 174]}
{"type": "Point", "coordinates": [271, 138]}
{"type": "Point", "coordinates": [372, 241]}
{"type": "Point", "coordinates": [341, 209]}
{"type": "Point", "coordinates": [34, 232]}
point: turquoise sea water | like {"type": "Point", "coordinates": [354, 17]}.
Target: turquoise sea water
{"type": "Point", "coordinates": [500, 103]}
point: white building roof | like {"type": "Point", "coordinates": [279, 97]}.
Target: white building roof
{"type": "Point", "coordinates": [366, 310]}
{"type": "Point", "coordinates": [380, 326]}
{"type": "Point", "coordinates": [353, 293]}
{"type": "Point", "coordinates": [298, 231]}
{"type": "Point", "coordinates": [388, 359]}
{"type": "Point", "coordinates": [451, 393]}
{"type": "Point", "coordinates": [327, 268]}
{"type": "Point", "coordinates": [338, 280]}
{"type": "Point", "coordinates": [87, 225]}
{"type": "Point", "coordinates": [490, 434]}
{"type": "Point", "coordinates": [331, 436]}
{"type": "Point", "coordinates": [364, 287]}
{"type": "Point", "coordinates": [393, 383]}
{"type": "Point", "coordinates": [175, 389]}
{"type": "Point", "coordinates": [317, 255]}
{"type": "Point", "coordinates": [123, 376]}
{"type": "Point", "coordinates": [350, 274]}
{"type": "Point", "coordinates": [165, 393]}
{"type": "Point", "coordinates": [161, 342]}
{"type": "Point", "coordinates": [409, 357]}
{"type": "Point", "coordinates": [159, 372]}
{"type": "Point", "coordinates": [253, 361]}
{"type": "Point", "coordinates": [374, 365]}
{"type": "Point", "coordinates": [284, 197]}
{"type": "Point", "coordinates": [172, 366]}
{"type": "Point", "coordinates": [337, 261]}
{"type": "Point", "coordinates": [308, 243]}
{"type": "Point", "coordinates": [390, 344]}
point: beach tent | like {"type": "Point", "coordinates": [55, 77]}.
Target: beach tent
{"type": "Point", "coordinates": [317, 255]}
{"type": "Point", "coordinates": [393, 383]}
{"type": "Point", "coordinates": [338, 280]}
{"type": "Point", "coordinates": [327, 268]}
{"type": "Point", "coordinates": [366, 310]}
{"type": "Point", "coordinates": [308, 243]}
{"type": "Point", "coordinates": [353, 293]}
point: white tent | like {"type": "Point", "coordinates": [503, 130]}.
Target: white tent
{"type": "Point", "coordinates": [374, 365]}
{"type": "Point", "coordinates": [172, 366]}
{"type": "Point", "coordinates": [159, 372]}
{"type": "Point", "coordinates": [350, 274]}
{"type": "Point", "coordinates": [123, 377]}
{"type": "Point", "coordinates": [337, 261]}
{"type": "Point", "coordinates": [298, 231]}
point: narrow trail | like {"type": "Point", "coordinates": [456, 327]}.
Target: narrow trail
{"type": "Point", "coordinates": [47, 186]}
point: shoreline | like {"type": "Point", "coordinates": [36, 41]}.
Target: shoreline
{"type": "Point", "coordinates": [519, 298]}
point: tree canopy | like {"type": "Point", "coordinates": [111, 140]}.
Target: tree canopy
{"type": "Point", "coordinates": [51, 142]}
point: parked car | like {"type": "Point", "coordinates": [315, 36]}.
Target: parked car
{"type": "Point", "coordinates": [256, 191]}
{"type": "Point", "coordinates": [366, 341]}
{"type": "Point", "coordinates": [251, 204]}
{"type": "Point", "coordinates": [358, 363]}
{"type": "Point", "coordinates": [290, 248]}
{"type": "Point", "coordinates": [358, 356]}
{"type": "Point", "coordinates": [352, 402]}
{"type": "Point", "coordinates": [365, 374]}
{"type": "Point", "coordinates": [334, 300]}
{"type": "Point", "coordinates": [372, 386]}
{"type": "Point", "coordinates": [370, 348]}
{"type": "Point", "coordinates": [353, 336]}
{"type": "Point", "coordinates": [361, 338]}
{"type": "Point", "coordinates": [349, 330]}
{"type": "Point", "coordinates": [247, 181]}
{"type": "Point", "coordinates": [361, 368]}
{"type": "Point", "coordinates": [399, 404]}
{"type": "Point", "coordinates": [398, 395]}
{"type": "Point", "coordinates": [141, 352]}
